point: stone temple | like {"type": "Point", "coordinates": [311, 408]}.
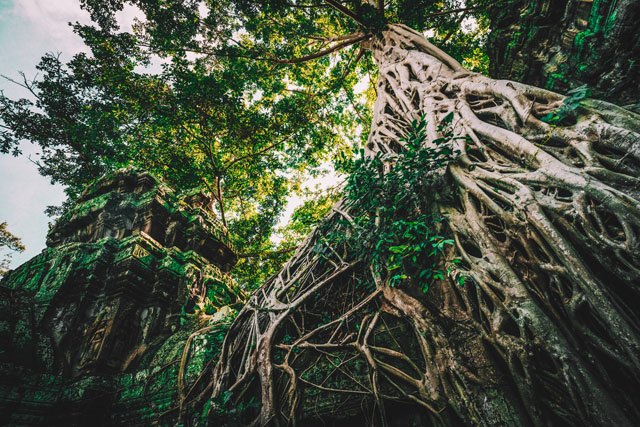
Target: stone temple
{"type": "Point", "coordinates": [119, 320]}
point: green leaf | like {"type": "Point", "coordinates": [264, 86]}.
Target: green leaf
{"type": "Point", "coordinates": [548, 118]}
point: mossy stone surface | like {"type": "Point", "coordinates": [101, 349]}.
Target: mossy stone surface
{"type": "Point", "coordinates": [96, 329]}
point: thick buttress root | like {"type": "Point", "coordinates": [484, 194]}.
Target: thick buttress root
{"type": "Point", "coordinates": [546, 221]}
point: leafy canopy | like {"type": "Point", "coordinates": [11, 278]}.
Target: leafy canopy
{"type": "Point", "coordinates": [240, 99]}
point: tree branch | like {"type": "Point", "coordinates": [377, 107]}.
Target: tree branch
{"type": "Point", "coordinates": [336, 38]}
{"type": "Point", "coordinates": [249, 156]}
{"type": "Point", "coordinates": [455, 27]}
{"type": "Point", "coordinates": [345, 11]}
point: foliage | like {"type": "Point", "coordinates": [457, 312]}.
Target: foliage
{"type": "Point", "coordinates": [241, 96]}
{"type": "Point", "coordinates": [10, 242]}
{"type": "Point", "coordinates": [316, 205]}
{"type": "Point", "coordinates": [390, 198]}
{"type": "Point", "coordinates": [567, 111]}
{"type": "Point", "coordinates": [193, 125]}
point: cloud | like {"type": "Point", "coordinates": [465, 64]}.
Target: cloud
{"type": "Point", "coordinates": [49, 19]}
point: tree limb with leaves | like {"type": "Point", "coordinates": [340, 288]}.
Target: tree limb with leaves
{"type": "Point", "coordinates": [10, 242]}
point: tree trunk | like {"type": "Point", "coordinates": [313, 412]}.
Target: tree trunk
{"type": "Point", "coordinates": [546, 220]}
{"type": "Point", "coordinates": [562, 44]}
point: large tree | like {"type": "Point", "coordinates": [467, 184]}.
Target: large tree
{"type": "Point", "coordinates": [539, 196]}
{"type": "Point", "coordinates": [243, 101]}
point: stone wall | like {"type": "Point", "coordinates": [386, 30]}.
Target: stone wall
{"type": "Point", "coordinates": [562, 44]}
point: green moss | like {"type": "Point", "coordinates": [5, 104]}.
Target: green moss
{"type": "Point", "coordinates": [512, 45]}
{"type": "Point", "coordinates": [84, 209]}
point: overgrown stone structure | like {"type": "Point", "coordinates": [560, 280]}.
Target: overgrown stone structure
{"type": "Point", "coordinates": [561, 44]}
{"type": "Point", "coordinates": [107, 325]}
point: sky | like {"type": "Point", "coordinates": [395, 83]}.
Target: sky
{"type": "Point", "coordinates": [28, 30]}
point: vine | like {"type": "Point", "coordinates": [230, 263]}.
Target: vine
{"type": "Point", "coordinates": [392, 227]}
